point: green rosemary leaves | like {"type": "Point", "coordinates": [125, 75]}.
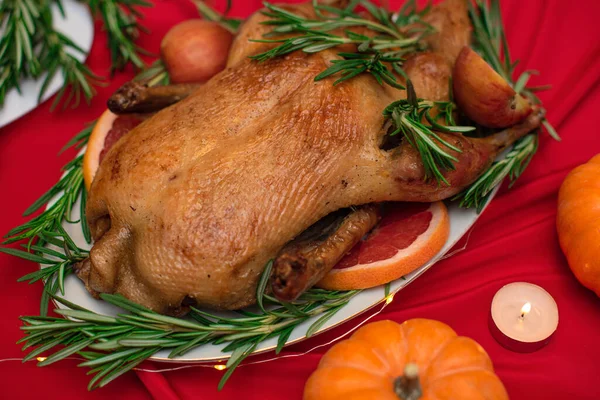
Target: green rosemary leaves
{"type": "Point", "coordinates": [407, 117]}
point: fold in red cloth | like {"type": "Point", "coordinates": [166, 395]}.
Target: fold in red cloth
{"type": "Point", "coordinates": [515, 240]}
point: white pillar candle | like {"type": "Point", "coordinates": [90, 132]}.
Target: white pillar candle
{"type": "Point", "coordinates": [523, 317]}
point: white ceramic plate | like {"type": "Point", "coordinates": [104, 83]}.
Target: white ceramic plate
{"type": "Point", "coordinates": [460, 222]}
{"type": "Point", "coordinates": [76, 25]}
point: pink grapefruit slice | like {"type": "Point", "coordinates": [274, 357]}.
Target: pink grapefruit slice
{"type": "Point", "coordinates": [108, 130]}
{"type": "Point", "coordinates": [409, 235]}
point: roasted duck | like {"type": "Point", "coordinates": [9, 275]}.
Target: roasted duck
{"type": "Point", "coordinates": [189, 207]}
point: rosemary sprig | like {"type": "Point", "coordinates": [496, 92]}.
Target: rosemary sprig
{"type": "Point", "coordinates": [66, 192]}
{"type": "Point", "coordinates": [121, 22]}
{"type": "Point", "coordinates": [19, 20]}
{"type": "Point", "coordinates": [396, 36]}
{"type": "Point", "coordinates": [407, 116]}
{"type": "Point", "coordinates": [490, 41]}
{"type": "Point", "coordinates": [355, 64]}
{"type": "Point", "coordinates": [117, 344]}
{"type": "Point", "coordinates": [55, 57]}
{"type": "Point", "coordinates": [512, 165]}
{"type": "Point", "coordinates": [285, 22]}
{"type": "Point", "coordinates": [155, 75]}
{"type": "Point", "coordinates": [231, 24]}
{"type": "Point", "coordinates": [489, 38]}
{"type": "Point", "coordinates": [30, 46]}
{"type": "Point", "coordinates": [46, 229]}
{"type": "Point", "coordinates": [57, 253]}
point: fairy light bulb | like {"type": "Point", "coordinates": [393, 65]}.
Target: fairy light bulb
{"type": "Point", "coordinates": [389, 299]}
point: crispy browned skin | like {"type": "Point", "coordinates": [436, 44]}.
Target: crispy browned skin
{"type": "Point", "coordinates": [193, 202]}
{"type": "Point", "coordinates": [453, 28]}
{"type": "Point", "coordinates": [308, 258]}
{"type": "Point", "coordinates": [305, 261]}
{"type": "Point", "coordinates": [136, 97]}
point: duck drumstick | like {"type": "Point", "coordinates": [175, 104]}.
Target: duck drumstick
{"type": "Point", "coordinates": [136, 97]}
{"type": "Point", "coordinates": [308, 258]}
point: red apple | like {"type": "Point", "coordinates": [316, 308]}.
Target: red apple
{"type": "Point", "coordinates": [195, 50]}
{"type": "Point", "coordinates": [483, 95]}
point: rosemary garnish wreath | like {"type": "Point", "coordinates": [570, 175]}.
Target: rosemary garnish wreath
{"type": "Point", "coordinates": [30, 46]}
{"type": "Point", "coordinates": [118, 344]}
{"type": "Point", "coordinates": [112, 345]}
{"type": "Point", "coordinates": [490, 42]}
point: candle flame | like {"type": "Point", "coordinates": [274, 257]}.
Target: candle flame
{"type": "Point", "coordinates": [525, 309]}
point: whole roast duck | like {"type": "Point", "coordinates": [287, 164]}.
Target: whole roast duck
{"type": "Point", "coordinates": [263, 163]}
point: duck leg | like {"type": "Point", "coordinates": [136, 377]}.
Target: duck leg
{"type": "Point", "coordinates": [309, 257]}
{"type": "Point", "coordinates": [136, 97]}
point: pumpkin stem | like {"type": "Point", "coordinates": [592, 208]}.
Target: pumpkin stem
{"type": "Point", "coordinates": [407, 386]}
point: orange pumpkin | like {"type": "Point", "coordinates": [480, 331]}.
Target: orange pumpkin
{"type": "Point", "coordinates": [419, 359]}
{"type": "Point", "coordinates": [578, 222]}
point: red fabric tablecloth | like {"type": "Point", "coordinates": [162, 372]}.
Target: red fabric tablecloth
{"type": "Point", "coordinates": [515, 240]}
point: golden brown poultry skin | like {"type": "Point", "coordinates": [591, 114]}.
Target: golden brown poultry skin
{"type": "Point", "coordinates": [193, 202]}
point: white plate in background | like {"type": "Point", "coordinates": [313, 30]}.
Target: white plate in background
{"type": "Point", "coordinates": [78, 26]}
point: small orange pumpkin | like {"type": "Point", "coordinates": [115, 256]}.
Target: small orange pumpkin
{"type": "Point", "coordinates": [578, 222]}
{"type": "Point", "coordinates": [419, 359]}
